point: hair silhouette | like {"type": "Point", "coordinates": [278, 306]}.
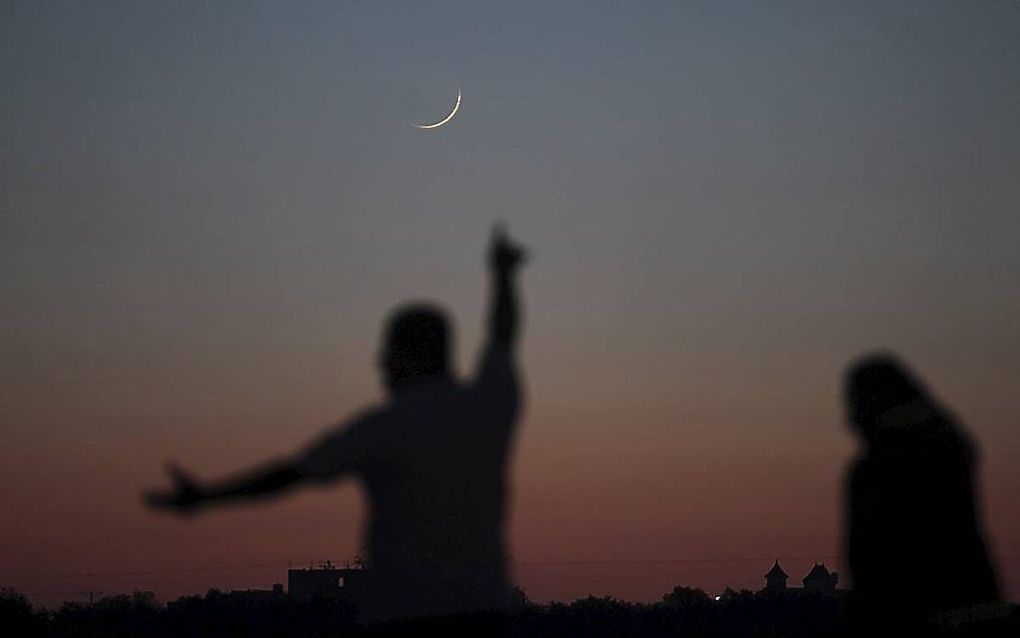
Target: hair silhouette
{"type": "Point", "coordinates": [913, 537]}
{"type": "Point", "coordinates": [417, 344]}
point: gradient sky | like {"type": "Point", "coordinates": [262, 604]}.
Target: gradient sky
{"type": "Point", "coordinates": [206, 209]}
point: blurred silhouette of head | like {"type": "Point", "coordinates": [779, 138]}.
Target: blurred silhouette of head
{"type": "Point", "coordinates": [876, 384]}
{"type": "Point", "coordinates": [416, 345]}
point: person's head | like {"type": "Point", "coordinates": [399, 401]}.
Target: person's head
{"type": "Point", "coordinates": [416, 345]}
{"type": "Point", "coordinates": [876, 384]}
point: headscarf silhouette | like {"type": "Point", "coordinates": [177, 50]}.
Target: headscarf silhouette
{"type": "Point", "coordinates": [913, 537]}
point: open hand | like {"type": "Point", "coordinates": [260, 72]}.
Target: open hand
{"type": "Point", "coordinates": [504, 254]}
{"type": "Point", "coordinates": [183, 496]}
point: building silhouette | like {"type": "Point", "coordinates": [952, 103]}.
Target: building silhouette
{"type": "Point", "coordinates": [329, 582]}
{"type": "Point", "coordinates": [819, 581]}
{"type": "Point", "coordinates": [775, 579]}
{"type": "Point", "coordinates": [259, 595]}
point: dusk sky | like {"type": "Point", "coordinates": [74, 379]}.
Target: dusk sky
{"type": "Point", "coordinates": [207, 209]}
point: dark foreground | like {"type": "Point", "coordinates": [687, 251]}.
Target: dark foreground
{"type": "Point", "coordinates": [685, 612]}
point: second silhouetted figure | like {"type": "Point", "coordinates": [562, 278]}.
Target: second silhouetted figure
{"type": "Point", "coordinates": [914, 540]}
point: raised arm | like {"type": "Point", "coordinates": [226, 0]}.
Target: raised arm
{"type": "Point", "coordinates": [505, 257]}
{"type": "Point", "coordinates": [187, 494]}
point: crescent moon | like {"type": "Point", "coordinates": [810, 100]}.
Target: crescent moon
{"type": "Point", "coordinates": [446, 119]}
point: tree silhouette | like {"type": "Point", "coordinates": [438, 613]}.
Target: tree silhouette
{"type": "Point", "coordinates": [687, 598]}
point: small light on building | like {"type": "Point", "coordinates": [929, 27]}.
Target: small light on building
{"type": "Point", "coordinates": [718, 598]}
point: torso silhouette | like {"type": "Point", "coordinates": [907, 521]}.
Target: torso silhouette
{"type": "Point", "coordinates": [434, 462]}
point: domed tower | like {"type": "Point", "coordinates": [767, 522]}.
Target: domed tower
{"type": "Point", "coordinates": [820, 579]}
{"type": "Point", "coordinates": [775, 580]}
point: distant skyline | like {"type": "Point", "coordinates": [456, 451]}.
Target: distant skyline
{"type": "Point", "coordinates": [206, 211]}
{"type": "Point", "coordinates": [52, 598]}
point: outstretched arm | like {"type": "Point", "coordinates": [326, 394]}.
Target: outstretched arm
{"type": "Point", "coordinates": [336, 453]}
{"type": "Point", "coordinates": [186, 493]}
{"type": "Point", "coordinates": [505, 257]}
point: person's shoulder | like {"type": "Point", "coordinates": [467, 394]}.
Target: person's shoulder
{"type": "Point", "coordinates": [342, 446]}
{"type": "Point", "coordinates": [956, 440]}
{"type": "Point", "coordinates": [497, 360]}
{"type": "Point", "coordinates": [359, 421]}
{"type": "Point", "coordinates": [368, 416]}
{"type": "Point", "coordinates": [942, 441]}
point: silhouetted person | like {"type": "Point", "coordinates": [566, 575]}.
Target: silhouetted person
{"type": "Point", "coordinates": [433, 459]}
{"type": "Point", "coordinates": [912, 531]}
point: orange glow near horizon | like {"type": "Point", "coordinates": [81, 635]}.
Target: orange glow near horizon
{"type": "Point", "coordinates": [206, 212]}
